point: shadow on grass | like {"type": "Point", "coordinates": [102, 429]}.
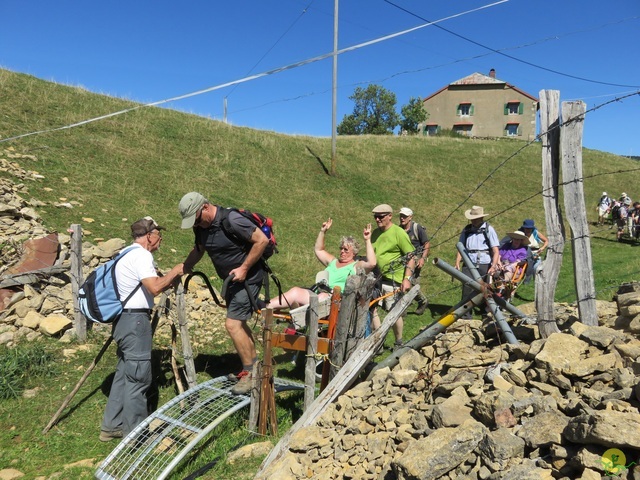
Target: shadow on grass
{"type": "Point", "coordinates": [218, 365]}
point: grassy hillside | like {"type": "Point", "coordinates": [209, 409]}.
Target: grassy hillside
{"type": "Point", "coordinates": [141, 163]}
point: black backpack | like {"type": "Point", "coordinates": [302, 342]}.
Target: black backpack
{"type": "Point", "coordinates": [263, 223]}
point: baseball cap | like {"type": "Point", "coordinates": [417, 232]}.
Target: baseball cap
{"type": "Point", "coordinates": [382, 208]}
{"type": "Point", "coordinates": [406, 211]}
{"type": "Point", "coordinates": [189, 206]}
{"type": "Point", "coordinates": [143, 226]}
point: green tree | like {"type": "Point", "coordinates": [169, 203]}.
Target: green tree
{"type": "Point", "coordinates": [374, 112]}
{"type": "Point", "coordinates": [413, 114]}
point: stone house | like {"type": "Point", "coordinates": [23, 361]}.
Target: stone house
{"type": "Point", "coordinates": [482, 106]}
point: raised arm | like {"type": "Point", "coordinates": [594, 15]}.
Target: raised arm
{"type": "Point", "coordinates": [370, 263]}
{"type": "Point", "coordinates": [324, 256]}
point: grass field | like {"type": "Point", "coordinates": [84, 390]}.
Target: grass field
{"type": "Point", "coordinates": [141, 163]}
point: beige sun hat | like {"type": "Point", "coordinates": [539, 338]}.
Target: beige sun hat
{"type": "Point", "coordinates": [520, 236]}
{"type": "Point", "coordinates": [475, 212]}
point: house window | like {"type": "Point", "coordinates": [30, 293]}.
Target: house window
{"type": "Point", "coordinates": [513, 108]}
{"type": "Point", "coordinates": [463, 128]}
{"type": "Point", "coordinates": [465, 109]}
{"type": "Point", "coordinates": [512, 130]}
{"type": "Point", "coordinates": [431, 129]}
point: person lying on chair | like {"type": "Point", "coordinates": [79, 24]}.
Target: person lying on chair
{"type": "Point", "coordinates": [512, 253]}
{"type": "Point", "coordinates": [338, 268]}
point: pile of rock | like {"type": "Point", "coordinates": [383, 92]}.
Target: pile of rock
{"type": "Point", "coordinates": [469, 407]}
{"type": "Point", "coordinates": [46, 307]}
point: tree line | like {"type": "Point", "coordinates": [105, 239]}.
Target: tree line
{"type": "Point", "coordinates": [375, 113]}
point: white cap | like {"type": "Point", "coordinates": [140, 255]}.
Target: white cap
{"type": "Point", "coordinates": [406, 211]}
{"type": "Point", "coordinates": [604, 194]}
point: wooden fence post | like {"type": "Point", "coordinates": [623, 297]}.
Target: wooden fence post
{"type": "Point", "coordinates": [547, 279]}
{"type": "Point", "coordinates": [187, 351]}
{"type": "Point", "coordinates": [312, 349]}
{"type": "Point", "coordinates": [571, 142]}
{"type": "Point", "coordinates": [77, 279]}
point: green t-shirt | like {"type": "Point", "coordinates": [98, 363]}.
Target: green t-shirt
{"type": "Point", "coordinates": [389, 246]}
{"type": "Point", "coordinates": [338, 276]}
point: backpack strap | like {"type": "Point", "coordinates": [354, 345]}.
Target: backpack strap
{"type": "Point", "coordinates": [118, 258]}
{"type": "Point", "coordinates": [483, 230]}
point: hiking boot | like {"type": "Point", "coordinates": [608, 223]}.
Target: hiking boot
{"type": "Point", "coordinates": [108, 436]}
{"type": "Point", "coordinates": [422, 306]}
{"type": "Point", "coordinates": [397, 345]}
{"type": "Point", "coordinates": [244, 383]}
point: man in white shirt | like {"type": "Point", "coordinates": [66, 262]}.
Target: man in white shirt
{"type": "Point", "coordinates": [127, 404]}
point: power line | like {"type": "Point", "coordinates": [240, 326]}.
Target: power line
{"type": "Point", "coordinates": [467, 39]}
{"type": "Point", "coordinates": [274, 45]}
{"type": "Point", "coordinates": [258, 75]}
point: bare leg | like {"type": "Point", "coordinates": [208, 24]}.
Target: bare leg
{"type": "Point", "coordinates": [242, 338]}
{"type": "Point", "coordinates": [375, 320]}
{"type": "Point", "coordinates": [295, 297]}
{"type": "Point", "coordinates": [397, 329]}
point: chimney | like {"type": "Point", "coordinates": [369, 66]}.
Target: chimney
{"type": "Point", "coordinates": [492, 73]}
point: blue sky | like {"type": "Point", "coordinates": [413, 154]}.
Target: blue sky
{"type": "Point", "coordinates": [150, 51]}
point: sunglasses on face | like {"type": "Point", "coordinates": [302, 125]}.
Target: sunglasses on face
{"type": "Point", "coordinates": [380, 216]}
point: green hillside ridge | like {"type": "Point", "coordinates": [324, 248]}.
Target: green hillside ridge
{"type": "Point", "coordinates": [142, 162]}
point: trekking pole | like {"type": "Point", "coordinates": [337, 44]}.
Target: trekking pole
{"type": "Point", "coordinates": [67, 400]}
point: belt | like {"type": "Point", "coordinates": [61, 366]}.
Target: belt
{"type": "Point", "coordinates": [477, 251]}
{"type": "Point", "coordinates": [136, 310]}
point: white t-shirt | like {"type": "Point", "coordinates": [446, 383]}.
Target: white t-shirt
{"type": "Point", "coordinates": [135, 266]}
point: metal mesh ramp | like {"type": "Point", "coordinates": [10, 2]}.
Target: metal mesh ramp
{"type": "Point", "coordinates": [164, 438]}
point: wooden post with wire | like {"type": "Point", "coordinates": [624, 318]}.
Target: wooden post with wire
{"type": "Point", "coordinates": [267, 410]}
{"type": "Point", "coordinates": [76, 280]}
{"type": "Point", "coordinates": [336, 298]}
{"type": "Point", "coordinates": [312, 351]}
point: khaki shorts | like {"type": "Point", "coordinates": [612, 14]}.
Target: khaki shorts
{"type": "Point", "coordinates": [388, 303]}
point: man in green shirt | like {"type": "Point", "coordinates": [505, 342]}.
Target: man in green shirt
{"type": "Point", "coordinates": [390, 243]}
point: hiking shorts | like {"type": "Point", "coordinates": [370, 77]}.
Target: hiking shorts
{"type": "Point", "coordinates": [238, 303]}
{"type": "Point", "coordinates": [388, 303]}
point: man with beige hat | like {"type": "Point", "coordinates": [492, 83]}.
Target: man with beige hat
{"type": "Point", "coordinates": [482, 243]}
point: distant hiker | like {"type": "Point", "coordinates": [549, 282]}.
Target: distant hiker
{"type": "Point", "coordinates": [604, 207]}
{"type": "Point", "coordinates": [235, 247]}
{"type": "Point", "coordinates": [481, 242]}
{"type": "Point", "coordinates": [390, 244]}
{"type": "Point", "coordinates": [420, 240]}
{"type": "Point", "coordinates": [127, 404]}
{"type": "Point", "coordinates": [338, 268]}
{"type": "Point", "coordinates": [538, 243]}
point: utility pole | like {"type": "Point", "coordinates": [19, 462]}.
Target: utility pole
{"type": "Point", "coordinates": [224, 109]}
{"type": "Point", "coordinates": [334, 140]}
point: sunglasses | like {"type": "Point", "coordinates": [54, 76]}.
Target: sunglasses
{"type": "Point", "coordinates": [380, 216]}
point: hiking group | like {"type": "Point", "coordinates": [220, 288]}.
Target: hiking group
{"type": "Point", "coordinates": [238, 243]}
{"type": "Point", "coordinates": [623, 213]}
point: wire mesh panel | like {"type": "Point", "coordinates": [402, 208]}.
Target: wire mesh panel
{"type": "Point", "coordinates": [163, 439]}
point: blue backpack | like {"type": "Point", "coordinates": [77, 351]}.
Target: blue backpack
{"type": "Point", "coordinates": [98, 297]}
